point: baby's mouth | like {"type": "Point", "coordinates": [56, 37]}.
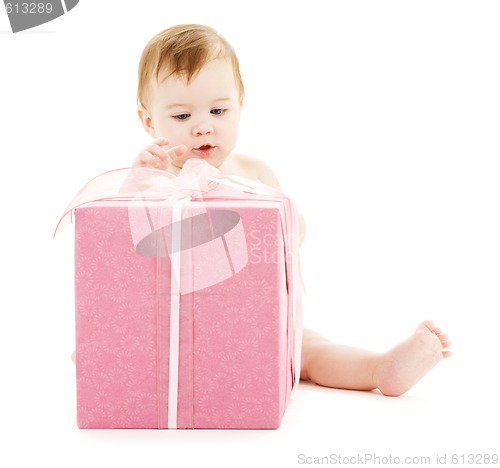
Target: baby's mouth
{"type": "Point", "coordinates": [204, 151]}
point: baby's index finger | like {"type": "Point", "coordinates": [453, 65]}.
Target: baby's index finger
{"type": "Point", "coordinates": [175, 152]}
{"type": "Point", "coordinates": [178, 151]}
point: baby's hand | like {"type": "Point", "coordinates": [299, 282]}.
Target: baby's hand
{"type": "Point", "coordinates": [157, 155]}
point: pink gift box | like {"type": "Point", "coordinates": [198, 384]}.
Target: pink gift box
{"type": "Point", "coordinates": [186, 312]}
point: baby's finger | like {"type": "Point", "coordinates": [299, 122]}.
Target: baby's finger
{"type": "Point", "coordinates": [162, 141]}
{"type": "Point", "coordinates": [146, 159]}
{"type": "Point", "coordinates": [160, 152]}
{"type": "Point", "coordinates": [176, 152]}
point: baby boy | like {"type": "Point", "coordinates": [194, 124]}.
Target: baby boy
{"type": "Point", "coordinates": [190, 95]}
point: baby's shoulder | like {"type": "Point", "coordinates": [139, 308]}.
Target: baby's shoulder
{"type": "Point", "coordinates": [249, 167]}
{"type": "Point", "coordinates": [242, 165]}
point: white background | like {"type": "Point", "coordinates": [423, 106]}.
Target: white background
{"type": "Point", "coordinates": [381, 120]}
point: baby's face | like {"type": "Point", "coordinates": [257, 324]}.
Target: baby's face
{"type": "Point", "coordinates": [204, 115]}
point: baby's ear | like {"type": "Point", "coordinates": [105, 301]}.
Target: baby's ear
{"type": "Point", "coordinates": [146, 120]}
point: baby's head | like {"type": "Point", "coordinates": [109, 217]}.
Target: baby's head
{"type": "Point", "coordinates": [190, 91]}
{"type": "Point", "coordinates": [182, 51]}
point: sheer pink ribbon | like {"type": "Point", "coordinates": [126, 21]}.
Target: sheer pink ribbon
{"type": "Point", "coordinates": [196, 181]}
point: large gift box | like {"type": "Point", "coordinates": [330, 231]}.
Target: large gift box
{"type": "Point", "coordinates": [187, 301]}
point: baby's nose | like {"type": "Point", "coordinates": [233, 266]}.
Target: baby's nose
{"type": "Point", "coordinates": [202, 128]}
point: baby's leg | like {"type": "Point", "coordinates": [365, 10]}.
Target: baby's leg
{"type": "Point", "coordinates": [393, 372]}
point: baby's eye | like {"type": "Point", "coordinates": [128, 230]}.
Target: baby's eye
{"type": "Point", "coordinates": [218, 111]}
{"type": "Point", "coordinates": [181, 116]}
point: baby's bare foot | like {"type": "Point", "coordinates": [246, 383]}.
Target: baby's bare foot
{"type": "Point", "coordinates": [404, 365]}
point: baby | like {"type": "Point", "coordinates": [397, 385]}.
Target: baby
{"type": "Point", "coordinates": [190, 95]}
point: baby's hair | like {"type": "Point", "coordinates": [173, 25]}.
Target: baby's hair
{"type": "Point", "coordinates": [183, 51]}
